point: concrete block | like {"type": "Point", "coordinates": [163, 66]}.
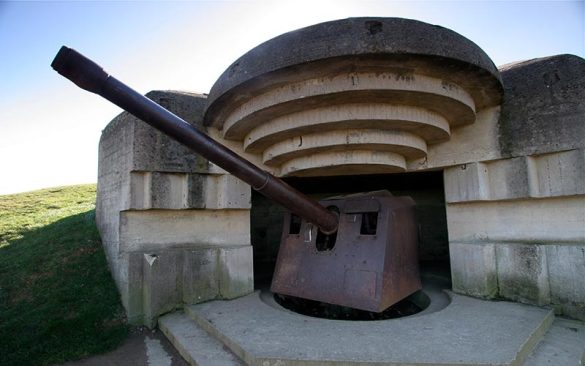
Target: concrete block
{"type": "Point", "coordinates": [550, 175]}
{"type": "Point", "coordinates": [558, 174]}
{"type": "Point", "coordinates": [154, 230]}
{"type": "Point", "coordinates": [508, 179]}
{"type": "Point", "coordinates": [196, 190]}
{"type": "Point", "coordinates": [130, 284]}
{"type": "Point", "coordinates": [162, 288]}
{"type": "Point", "coordinates": [473, 269]}
{"type": "Point", "coordinates": [168, 190]}
{"type": "Point", "coordinates": [227, 192]}
{"type": "Point", "coordinates": [154, 151]}
{"type": "Point", "coordinates": [551, 220]}
{"type": "Point", "coordinates": [523, 273]}
{"type": "Point", "coordinates": [468, 144]}
{"type": "Point", "coordinates": [543, 106]}
{"type": "Point", "coordinates": [566, 267]}
{"type": "Point", "coordinates": [176, 191]}
{"type": "Point", "coordinates": [200, 276]}
{"type": "Point", "coordinates": [236, 272]}
{"type": "Point", "coordinates": [140, 192]}
{"type": "Point", "coordinates": [466, 182]}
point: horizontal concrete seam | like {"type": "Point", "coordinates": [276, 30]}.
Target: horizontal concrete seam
{"type": "Point", "coordinates": [543, 154]}
{"type": "Point", "coordinates": [194, 248]}
{"type": "Point", "coordinates": [182, 210]}
{"type": "Point", "coordinates": [562, 243]}
{"type": "Point", "coordinates": [176, 172]}
{"type": "Point", "coordinates": [523, 198]}
{"type": "Point", "coordinates": [158, 248]}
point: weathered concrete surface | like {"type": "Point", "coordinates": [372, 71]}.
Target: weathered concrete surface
{"type": "Point", "coordinates": [166, 229]}
{"type": "Point", "coordinates": [528, 250]}
{"type": "Point", "coordinates": [566, 267]}
{"type": "Point", "coordinates": [522, 271]}
{"type": "Point", "coordinates": [533, 273]}
{"type": "Point", "coordinates": [195, 344]}
{"type": "Point", "coordinates": [549, 220]}
{"type": "Point", "coordinates": [153, 150]}
{"type": "Point", "coordinates": [177, 191]}
{"type": "Point", "coordinates": [235, 271]}
{"type": "Point", "coordinates": [476, 142]}
{"type": "Point", "coordinates": [473, 269]}
{"type": "Point", "coordinates": [549, 175]}
{"type": "Point", "coordinates": [543, 109]}
{"type": "Point", "coordinates": [467, 332]}
{"type": "Point", "coordinates": [163, 280]}
{"type": "Point", "coordinates": [161, 284]}
{"type": "Point", "coordinates": [522, 191]}
{"type": "Point", "coordinates": [201, 266]}
{"type": "Point", "coordinates": [383, 38]}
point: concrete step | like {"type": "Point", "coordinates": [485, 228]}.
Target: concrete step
{"type": "Point", "coordinates": [195, 344]}
{"type": "Point", "coordinates": [563, 344]}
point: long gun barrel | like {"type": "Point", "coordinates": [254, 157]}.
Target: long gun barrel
{"type": "Point", "coordinates": [90, 76]}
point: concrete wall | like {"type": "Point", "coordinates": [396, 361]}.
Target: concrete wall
{"type": "Point", "coordinates": [516, 203]}
{"type": "Point", "coordinates": [175, 228]}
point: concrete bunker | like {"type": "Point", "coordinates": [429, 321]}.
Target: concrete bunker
{"type": "Point", "coordinates": [374, 99]}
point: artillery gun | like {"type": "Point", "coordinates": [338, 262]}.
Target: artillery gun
{"type": "Point", "coordinates": [358, 251]}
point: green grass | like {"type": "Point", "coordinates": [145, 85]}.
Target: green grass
{"type": "Point", "coordinates": [58, 301]}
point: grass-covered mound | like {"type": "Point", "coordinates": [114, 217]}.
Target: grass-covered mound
{"type": "Point", "coordinates": [58, 301]}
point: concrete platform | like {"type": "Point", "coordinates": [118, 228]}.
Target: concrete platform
{"type": "Point", "coordinates": [453, 330]}
{"type": "Point", "coordinates": [467, 332]}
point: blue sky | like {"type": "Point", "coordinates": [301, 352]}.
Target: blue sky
{"type": "Point", "coordinates": [50, 129]}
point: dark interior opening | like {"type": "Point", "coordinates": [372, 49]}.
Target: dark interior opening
{"type": "Point", "coordinates": [325, 242]}
{"type": "Point", "coordinates": [411, 305]}
{"type": "Point", "coordinates": [425, 188]}
{"type": "Point", "coordinates": [295, 224]}
{"type": "Point", "coordinates": [369, 223]}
